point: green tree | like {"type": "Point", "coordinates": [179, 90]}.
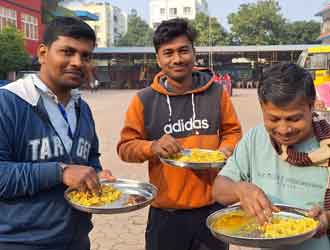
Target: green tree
{"type": "Point", "coordinates": [138, 32]}
{"type": "Point", "coordinates": [301, 32]}
{"type": "Point", "coordinates": [257, 23]}
{"type": "Point", "coordinates": [210, 32]}
{"type": "Point", "coordinates": [13, 56]}
{"type": "Point", "coordinates": [52, 9]}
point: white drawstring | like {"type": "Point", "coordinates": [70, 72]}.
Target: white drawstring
{"type": "Point", "coordinates": [194, 109]}
{"type": "Point", "coordinates": [193, 106]}
{"type": "Point", "coordinates": [169, 107]}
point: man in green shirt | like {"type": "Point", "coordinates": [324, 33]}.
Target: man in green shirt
{"type": "Point", "coordinates": [284, 160]}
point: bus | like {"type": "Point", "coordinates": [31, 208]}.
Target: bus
{"type": "Point", "coordinates": [317, 61]}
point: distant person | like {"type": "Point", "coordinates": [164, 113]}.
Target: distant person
{"type": "Point", "coordinates": [183, 108]}
{"type": "Point", "coordinates": [284, 160]}
{"type": "Point", "coordinates": [48, 143]}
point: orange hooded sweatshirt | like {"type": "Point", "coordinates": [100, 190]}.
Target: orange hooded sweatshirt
{"type": "Point", "coordinates": [201, 118]}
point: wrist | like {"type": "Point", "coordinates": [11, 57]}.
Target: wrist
{"type": "Point", "coordinates": [62, 167]}
{"type": "Point", "coordinates": [237, 190]}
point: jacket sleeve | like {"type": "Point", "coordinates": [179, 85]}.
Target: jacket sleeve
{"type": "Point", "coordinates": [21, 178]}
{"type": "Point", "coordinates": [94, 156]}
{"type": "Point", "coordinates": [231, 130]}
{"type": "Point", "coordinates": [133, 147]}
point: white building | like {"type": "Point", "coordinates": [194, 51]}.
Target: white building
{"type": "Point", "coordinates": [112, 21]}
{"type": "Point", "coordinates": [160, 10]}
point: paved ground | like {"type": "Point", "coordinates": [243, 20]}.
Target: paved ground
{"type": "Point", "coordinates": [126, 232]}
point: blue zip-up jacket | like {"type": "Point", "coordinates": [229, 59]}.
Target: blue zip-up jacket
{"type": "Point", "coordinates": [32, 206]}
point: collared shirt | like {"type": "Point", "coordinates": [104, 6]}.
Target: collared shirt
{"type": "Point", "coordinates": [58, 121]}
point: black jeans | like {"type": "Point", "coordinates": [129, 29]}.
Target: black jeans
{"type": "Point", "coordinates": [181, 230]}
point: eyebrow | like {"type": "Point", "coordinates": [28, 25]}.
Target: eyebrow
{"type": "Point", "coordinates": [180, 48]}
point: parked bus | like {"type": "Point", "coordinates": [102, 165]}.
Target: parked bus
{"type": "Point", "coordinates": [317, 61]}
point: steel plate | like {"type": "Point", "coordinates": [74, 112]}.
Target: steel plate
{"type": "Point", "coordinates": [256, 240]}
{"type": "Point", "coordinates": [193, 165]}
{"type": "Point", "coordinates": [135, 195]}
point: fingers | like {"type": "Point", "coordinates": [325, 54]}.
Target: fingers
{"type": "Point", "coordinates": [255, 202]}
{"type": "Point", "coordinates": [93, 184]}
{"type": "Point", "coordinates": [166, 146]}
{"type": "Point", "coordinates": [106, 174]}
{"type": "Point", "coordinates": [314, 212]}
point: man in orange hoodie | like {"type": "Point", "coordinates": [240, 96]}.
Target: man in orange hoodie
{"type": "Point", "coordinates": [183, 108]}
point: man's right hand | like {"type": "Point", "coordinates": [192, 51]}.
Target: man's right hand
{"type": "Point", "coordinates": [166, 146]}
{"type": "Point", "coordinates": [255, 202]}
{"type": "Point", "coordinates": [83, 178]}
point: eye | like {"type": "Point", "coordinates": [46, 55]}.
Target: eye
{"type": "Point", "coordinates": [67, 52]}
{"type": "Point", "coordinates": [273, 119]}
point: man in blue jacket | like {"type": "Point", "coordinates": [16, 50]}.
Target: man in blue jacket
{"type": "Point", "coordinates": [48, 143]}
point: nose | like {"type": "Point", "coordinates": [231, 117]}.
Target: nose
{"type": "Point", "coordinates": [176, 58]}
{"type": "Point", "coordinates": [284, 129]}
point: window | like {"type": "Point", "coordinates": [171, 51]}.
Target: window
{"type": "Point", "coordinates": [173, 12]}
{"type": "Point", "coordinates": [162, 11]}
{"type": "Point", "coordinates": [30, 26]}
{"type": "Point", "coordinates": [186, 11]}
{"type": "Point", "coordinates": [7, 18]}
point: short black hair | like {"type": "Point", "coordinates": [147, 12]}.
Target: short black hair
{"type": "Point", "coordinates": [285, 82]}
{"type": "Point", "coordinates": [69, 27]}
{"type": "Point", "coordinates": [170, 29]}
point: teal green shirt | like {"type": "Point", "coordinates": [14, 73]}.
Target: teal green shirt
{"type": "Point", "coordinates": [256, 161]}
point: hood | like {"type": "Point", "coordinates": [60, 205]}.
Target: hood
{"type": "Point", "coordinates": [202, 80]}
{"type": "Point", "coordinates": [25, 89]}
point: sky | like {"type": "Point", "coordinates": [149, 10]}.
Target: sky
{"type": "Point", "coordinates": [293, 10]}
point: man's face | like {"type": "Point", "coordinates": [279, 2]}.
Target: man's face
{"type": "Point", "coordinates": [66, 63]}
{"type": "Point", "coordinates": [176, 58]}
{"type": "Point", "coordinates": [290, 124]}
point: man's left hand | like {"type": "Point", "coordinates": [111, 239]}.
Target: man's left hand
{"type": "Point", "coordinates": [321, 215]}
{"type": "Point", "coordinates": [107, 175]}
{"type": "Point", "coordinates": [226, 151]}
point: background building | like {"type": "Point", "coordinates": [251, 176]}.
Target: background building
{"type": "Point", "coordinates": [111, 23]}
{"type": "Point", "coordinates": [160, 10]}
{"type": "Point", "coordinates": [25, 16]}
{"type": "Point", "coordinates": [325, 25]}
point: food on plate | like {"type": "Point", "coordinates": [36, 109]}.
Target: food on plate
{"type": "Point", "coordinates": [238, 223]}
{"type": "Point", "coordinates": [200, 156]}
{"type": "Point", "coordinates": [108, 194]}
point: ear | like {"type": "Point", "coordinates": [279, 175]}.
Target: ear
{"type": "Point", "coordinates": [42, 53]}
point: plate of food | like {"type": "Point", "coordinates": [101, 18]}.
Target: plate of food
{"type": "Point", "coordinates": [198, 159]}
{"type": "Point", "coordinates": [290, 226]}
{"type": "Point", "coordinates": [119, 196]}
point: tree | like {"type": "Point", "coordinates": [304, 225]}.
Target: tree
{"type": "Point", "coordinates": [13, 56]}
{"type": "Point", "coordinates": [301, 32]}
{"type": "Point", "coordinates": [51, 9]}
{"type": "Point", "coordinates": [138, 32]}
{"type": "Point", "coordinates": [257, 23]}
{"type": "Point", "coordinates": [210, 32]}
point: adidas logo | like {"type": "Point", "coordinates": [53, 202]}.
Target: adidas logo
{"type": "Point", "coordinates": [182, 126]}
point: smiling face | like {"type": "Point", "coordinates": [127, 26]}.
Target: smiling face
{"type": "Point", "coordinates": [176, 58]}
{"type": "Point", "coordinates": [65, 64]}
{"type": "Point", "coordinates": [290, 124]}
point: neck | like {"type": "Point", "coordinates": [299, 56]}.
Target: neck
{"type": "Point", "coordinates": [181, 86]}
{"type": "Point", "coordinates": [63, 95]}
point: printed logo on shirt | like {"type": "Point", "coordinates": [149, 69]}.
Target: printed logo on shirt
{"type": "Point", "coordinates": [83, 148]}
{"type": "Point", "coordinates": [46, 148]}
{"type": "Point", "coordinates": [52, 147]}
{"type": "Point", "coordinates": [184, 126]}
